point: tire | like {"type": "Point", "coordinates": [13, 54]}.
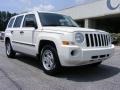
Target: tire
{"type": "Point", "coordinates": [96, 64]}
{"type": "Point", "coordinates": [9, 51]}
{"type": "Point", "coordinates": [49, 60]}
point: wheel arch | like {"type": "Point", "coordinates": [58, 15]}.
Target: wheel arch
{"type": "Point", "coordinates": [45, 42]}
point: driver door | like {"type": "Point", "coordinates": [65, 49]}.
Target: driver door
{"type": "Point", "coordinates": [27, 34]}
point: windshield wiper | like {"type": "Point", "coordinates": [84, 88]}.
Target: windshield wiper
{"type": "Point", "coordinates": [61, 25]}
{"type": "Point", "coordinates": [52, 25]}
{"type": "Point", "coordinates": [72, 26]}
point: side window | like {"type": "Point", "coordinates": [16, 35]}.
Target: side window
{"type": "Point", "coordinates": [11, 23]}
{"type": "Point", "coordinates": [18, 21]}
{"type": "Point", "coordinates": [30, 21]}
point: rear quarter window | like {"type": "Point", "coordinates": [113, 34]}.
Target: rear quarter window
{"type": "Point", "coordinates": [11, 23]}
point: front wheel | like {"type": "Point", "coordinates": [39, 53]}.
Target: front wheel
{"type": "Point", "coordinates": [50, 60]}
{"type": "Point", "coordinates": [9, 51]}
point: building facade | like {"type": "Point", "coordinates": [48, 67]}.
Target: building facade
{"type": "Point", "coordinates": [100, 14]}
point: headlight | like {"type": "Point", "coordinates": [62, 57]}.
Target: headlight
{"type": "Point", "coordinates": [79, 38]}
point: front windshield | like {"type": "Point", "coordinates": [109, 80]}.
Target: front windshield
{"type": "Point", "coordinates": [51, 19]}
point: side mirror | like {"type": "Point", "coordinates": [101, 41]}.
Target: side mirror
{"type": "Point", "coordinates": [31, 24]}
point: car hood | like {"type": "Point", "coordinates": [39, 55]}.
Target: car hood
{"type": "Point", "coordinates": [70, 29]}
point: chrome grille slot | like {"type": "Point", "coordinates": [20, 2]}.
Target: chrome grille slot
{"type": "Point", "coordinates": [87, 40]}
{"type": "Point", "coordinates": [102, 40]}
{"type": "Point", "coordinates": [97, 40]}
{"type": "Point", "coordinates": [100, 43]}
{"type": "Point", "coordinates": [92, 40]}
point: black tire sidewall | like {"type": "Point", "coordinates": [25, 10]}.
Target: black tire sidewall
{"type": "Point", "coordinates": [12, 53]}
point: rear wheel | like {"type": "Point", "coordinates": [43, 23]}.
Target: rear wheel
{"type": "Point", "coordinates": [50, 60]}
{"type": "Point", "coordinates": [9, 51]}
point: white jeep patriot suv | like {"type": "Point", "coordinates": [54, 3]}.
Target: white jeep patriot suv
{"type": "Point", "coordinates": [57, 41]}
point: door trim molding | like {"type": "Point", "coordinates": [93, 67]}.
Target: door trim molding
{"type": "Point", "coordinates": [32, 45]}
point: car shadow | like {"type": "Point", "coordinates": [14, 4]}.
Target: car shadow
{"type": "Point", "coordinates": [89, 73]}
{"type": "Point", "coordinates": [78, 74]}
{"type": "Point", "coordinates": [30, 60]}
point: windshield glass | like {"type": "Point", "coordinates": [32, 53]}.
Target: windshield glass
{"type": "Point", "coordinates": [51, 19]}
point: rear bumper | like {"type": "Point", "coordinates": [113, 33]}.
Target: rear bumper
{"type": "Point", "coordinates": [75, 56]}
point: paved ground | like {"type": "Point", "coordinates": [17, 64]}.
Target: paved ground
{"type": "Point", "coordinates": [23, 73]}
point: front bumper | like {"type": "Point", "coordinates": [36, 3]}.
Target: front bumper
{"type": "Point", "coordinates": [76, 56]}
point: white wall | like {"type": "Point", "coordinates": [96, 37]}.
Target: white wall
{"type": "Point", "coordinates": [90, 10]}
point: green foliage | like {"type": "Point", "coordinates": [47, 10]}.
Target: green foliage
{"type": "Point", "coordinates": [116, 38]}
{"type": "Point", "coordinates": [4, 18]}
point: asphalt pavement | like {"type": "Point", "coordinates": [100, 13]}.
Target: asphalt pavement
{"type": "Point", "coordinates": [23, 73]}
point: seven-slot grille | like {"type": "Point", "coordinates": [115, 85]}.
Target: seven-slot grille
{"type": "Point", "coordinates": [97, 40]}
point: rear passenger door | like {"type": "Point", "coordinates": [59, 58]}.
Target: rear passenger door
{"type": "Point", "coordinates": [27, 34]}
{"type": "Point", "coordinates": [9, 28]}
{"type": "Point", "coordinates": [16, 38]}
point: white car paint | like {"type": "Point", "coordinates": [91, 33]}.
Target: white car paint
{"type": "Point", "coordinates": [32, 36]}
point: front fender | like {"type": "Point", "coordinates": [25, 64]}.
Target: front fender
{"type": "Point", "coordinates": [54, 37]}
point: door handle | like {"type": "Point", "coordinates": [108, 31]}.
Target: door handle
{"type": "Point", "coordinates": [12, 32]}
{"type": "Point", "coordinates": [21, 32]}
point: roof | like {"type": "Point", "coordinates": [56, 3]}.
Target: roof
{"type": "Point", "coordinates": [34, 12]}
